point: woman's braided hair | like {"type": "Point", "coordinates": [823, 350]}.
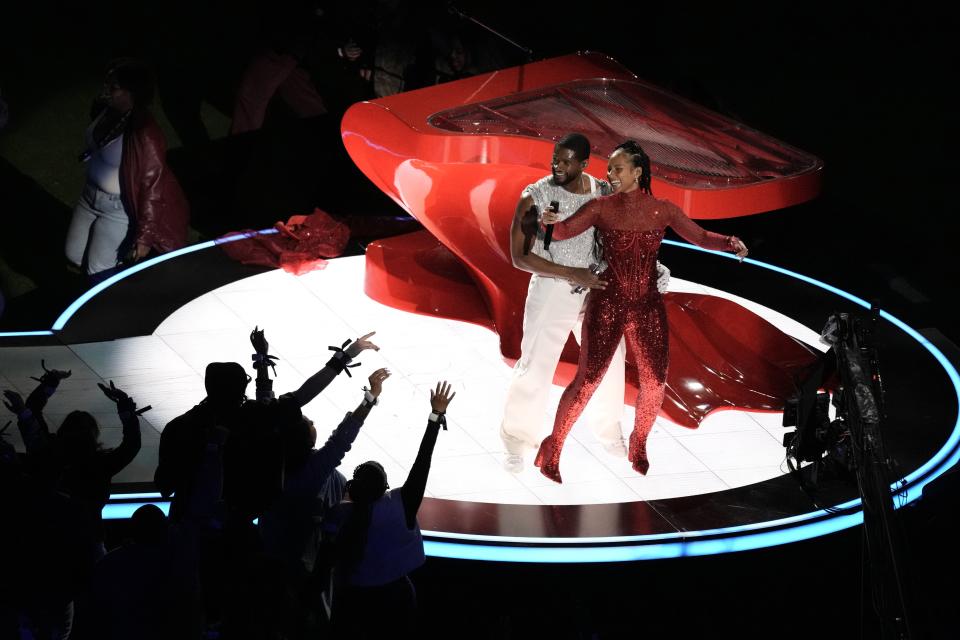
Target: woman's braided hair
{"type": "Point", "coordinates": [639, 158]}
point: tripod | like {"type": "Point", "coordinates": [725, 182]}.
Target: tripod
{"type": "Point", "coordinates": [860, 406]}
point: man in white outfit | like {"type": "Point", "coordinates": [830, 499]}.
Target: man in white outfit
{"type": "Point", "coordinates": [553, 309]}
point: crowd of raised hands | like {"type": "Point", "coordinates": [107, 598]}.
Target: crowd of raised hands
{"type": "Point", "coordinates": [264, 536]}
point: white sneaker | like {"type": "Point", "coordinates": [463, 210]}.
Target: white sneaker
{"type": "Point", "coordinates": [617, 448]}
{"type": "Point", "coordinates": [513, 463]}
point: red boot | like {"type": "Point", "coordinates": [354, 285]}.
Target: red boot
{"type": "Point", "coordinates": [638, 453]}
{"type": "Point", "coordinates": [548, 459]}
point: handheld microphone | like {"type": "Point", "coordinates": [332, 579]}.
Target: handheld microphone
{"type": "Point", "coordinates": [548, 235]}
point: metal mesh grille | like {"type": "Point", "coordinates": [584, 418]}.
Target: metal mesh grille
{"type": "Point", "coordinates": [688, 145]}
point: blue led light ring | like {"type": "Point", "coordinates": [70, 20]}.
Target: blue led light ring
{"type": "Point", "coordinates": [726, 540]}
{"type": "Point", "coordinates": [850, 508]}
{"type": "Point", "coordinates": [61, 322]}
{"type": "Point", "coordinates": [24, 334]}
{"type": "Point", "coordinates": [814, 524]}
{"type": "Point", "coordinates": [950, 451]}
{"type": "Point", "coordinates": [630, 553]}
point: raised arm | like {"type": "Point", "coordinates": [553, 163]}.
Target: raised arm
{"type": "Point", "coordinates": [695, 234]}
{"type": "Point", "coordinates": [413, 489]}
{"type": "Point", "coordinates": [33, 427]}
{"type": "Point", "coordinates": [326, 459]}
{"type": "Point", "coordinates": [339, 362]}
{"type": "Point", "coordinates": [117, 459]}
{"type": "Point", "coordinates": [263, 362]}
{"type": "Point", "coordinates": [585, 217]}
{"type": "Point", "coordinates": [49, 382]}
{"type": "Point", "coordinates": [33, 430]}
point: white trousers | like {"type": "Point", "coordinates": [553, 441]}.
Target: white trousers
{"type": "Point", "coordinates": [98, 230]}
{"type": "Point", "coordinates": [550, 314]}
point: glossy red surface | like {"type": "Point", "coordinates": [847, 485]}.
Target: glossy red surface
{"type": "Point", "coordinates": [706, 163]}
{"type": "Point", "coordinates": [464, 187]}
{"type": "Point", "coordinates": [461, 175]}
{"type": "Point", "coordinates": [721, 354]}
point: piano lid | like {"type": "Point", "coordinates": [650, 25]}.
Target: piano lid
{"type": "Point", "coordinates": [688, 145]}
{"type": "Point", "coordinates": [708, 164]}
{"type": "Point", "coordinates": [458, 155]}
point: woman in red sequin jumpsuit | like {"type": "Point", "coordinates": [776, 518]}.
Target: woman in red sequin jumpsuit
{"type": "Point", "coordinates": [631, 224]}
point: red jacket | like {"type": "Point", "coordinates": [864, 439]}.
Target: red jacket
{"type": "Point", "coordinates": [150, 192]}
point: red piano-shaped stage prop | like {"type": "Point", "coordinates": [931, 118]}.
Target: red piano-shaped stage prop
{"type": "Point", "coordinates": [457, 156]}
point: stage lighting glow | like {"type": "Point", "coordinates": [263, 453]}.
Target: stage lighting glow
{"type": "Point", "coordinates": [631, 553]}
{"type": "Point", "coordinates": [949, 454]}
{"type": "Point", "coordinates": [64, 317]}
{"type": "Point", "coordinates": [20, 334]}
{"type": "Point", "coordinates": [731, 539]}
{"type": "Point", "coordinates": [124, 510]}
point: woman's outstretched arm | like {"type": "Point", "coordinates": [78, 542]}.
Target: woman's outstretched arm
{"type": "Point", "coordinates": [695, 234]}
{"type": "Point", "coordinates": [413, 489]}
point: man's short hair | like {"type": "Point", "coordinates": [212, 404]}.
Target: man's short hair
{"type": "Point", "coordinates": [578, 143]}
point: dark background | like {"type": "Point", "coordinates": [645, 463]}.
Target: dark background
{"type": "Point", "coordinates": [865, 88]}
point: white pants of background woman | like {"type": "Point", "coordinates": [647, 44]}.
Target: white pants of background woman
{"type": "Point", "coordinates": [97, 231]}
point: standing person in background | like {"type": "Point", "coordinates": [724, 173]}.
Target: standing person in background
{"type": "Point", "coordinates": [132, 205]}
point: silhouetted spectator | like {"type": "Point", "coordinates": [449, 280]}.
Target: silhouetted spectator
{"type": "Point", "coordinates": [132, 204]}
{"type": "Point", "coordinates": [75, 462]}
{"type": "Point", "coordinates": [312, 486]}
{"type": "Point", "coordinates": [49, 563]}
{"type": "Point", "coordinates": [61, 502]}
{"type": "Point", "coordinates": [222, 461]}
{"type": "Point", "coordinates": [147, 588]}
{"type": "Point", "coordinates": [190, 464]}
{"type": "Point", "coordinates": [11, 479]}
{"type": "Point", "coordinates": [379, 543]}
{"type": "Point", "coordinates": [186, 438]}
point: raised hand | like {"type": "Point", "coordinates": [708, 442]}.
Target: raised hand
{"type": "Point", "coordinates": [361, 344]}
{"type": "Point", "coordinates": [113, 393]}
{"type": "Point", "coordinates": [441, 396]}
{"type": "Point", "coordinates": [14, 402]}
{"type": "Point", "coordinates": [261, 358]}
{"type": "Point", "coordinates": [737, 247]}
{"type": "Point", "coordinates": [52, 377]}
{"type": "Point", "coordinates": [259, 341]}
{"type": "Point", "coordinates": [376, 381]}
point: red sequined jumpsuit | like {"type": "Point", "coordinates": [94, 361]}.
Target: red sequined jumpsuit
{"type": "Point", "coordinates": [631, 226]}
